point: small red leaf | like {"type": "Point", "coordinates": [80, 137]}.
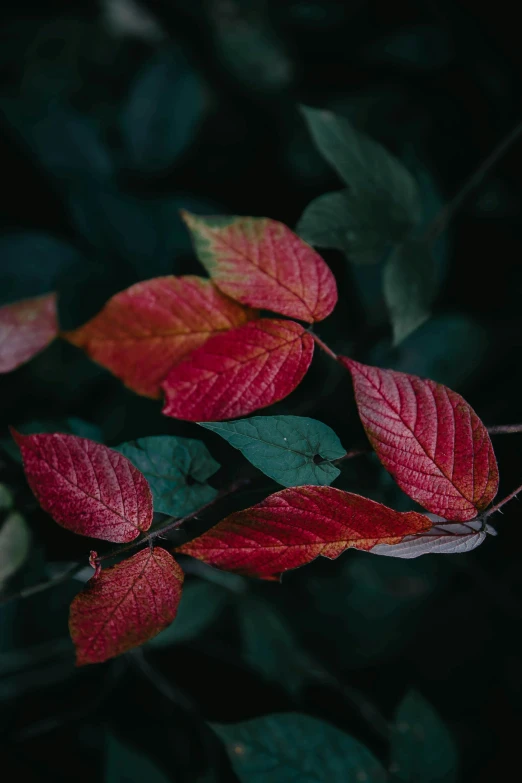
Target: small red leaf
{"type": "Point", "coordinates": [125, 605]}
{"type": "Point", "coordinates": [429, 438]}
{"type": "Point", "coordinates": [240, 371]}
{"type": "Point", "coordinates": [26, 328]}
{"type": "Point", "coordinates": [294, 526]}
{"type": "Point", "coordinates": [86, 487]}
{"type": "Point", "coordinates": [261, 263]}
{"type": "Point", "coordinates": [142, 332]}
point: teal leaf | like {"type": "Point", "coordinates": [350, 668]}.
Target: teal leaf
{"type": "Point", "coordinates": [177, 470]}
{"type": "Point", "coordinates": [268, 644]}
{"type": "Point", "coordinates": [364, 225]}
{"type": "Point", "coordinates": [32, 264]}
{"type": "Point", "coordinates": [251, 52]}
{"type": "Point", "coordinates": [363, 163]}
{"type": "Point", "coordinates": [409, 284]}
{"type": "Point", "coordinates": [64, 141]}
{"type": "Point", "coordinates": [295, 748]}
{"type": "Point", "coordinates": [422, 46]}
{"type": "Point", "coordinates": [421, 746]}
{"type": "Point", "coordinates": [70, 425]}
{"type": "Point", "coordinates": [15, 540]}
{"type": "Point", "coordinates": [162, 112]}
{"type": "Point", "coordinates": [126, 765]}
{"type": "Point", "coordinates": [200, 606]}
{"type": "Point", "coordinates": [286, 448]}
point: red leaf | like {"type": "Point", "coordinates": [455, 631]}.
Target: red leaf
{"type": "Point", "coordinates": [125, 605]}
{"type": "Point", "coordinates": [86, 487]}
{"type": "Point", "coordinates": [142, 332]}
{"type": "Point", "coordinates": [430, 440]}
{"type": "Point", "coordinates": [261, 263]}
{"type": "Point", "coordinates": [294, 526]}
{"type": "Point", "coordinates": [26, 328]}
{"type": "Point", "coordinates": [238, 372]}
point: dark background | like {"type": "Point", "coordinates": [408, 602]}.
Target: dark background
{"type": "Point", "coordinates": [437, 82]}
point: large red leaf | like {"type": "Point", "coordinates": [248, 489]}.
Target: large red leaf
{"type": "Point", "coordinates": [261, 263]}
{"type": "Point", "coordinates": [429, 438]}
{"type": "Point", "coordinates": [86, 487]}
{"type": "Point", "coordinates": [294, 526]}
{"type": "Point", "coordinates": [240, 371]}
{"type": "Point", "coordinates": [142, 332]}
{"type": "Point", "coordinates": [125, 606]}
{"type": "Point", "coordinates": [26, 328]}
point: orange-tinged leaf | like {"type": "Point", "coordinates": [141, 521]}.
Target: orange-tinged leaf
{"type": "Point", "coordinates": [294, 526]}
{"type": "Point", "coordinates": [26, 328]}
{"type": "Point", "coordinates": [240, 371]}
{"type": "Point", "coordinates": [142, 332]}
{"type": "Point", "coordinates": [263, 264]}
{"type": "Point", "coordinates": [125, 605]}
{"type": "Point", "coordinates": [86, 487]}
{"type": "Point", "coordinates": [429, 438]}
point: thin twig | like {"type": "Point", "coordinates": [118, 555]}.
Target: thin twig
{"type": "Point", "coordinates": [505, 429]}
{"type": "Point", "coordinates": [173, 524]}
{"type": "Point", "coordinates": [503, 502]}
{"type": "Point", "coordinates": [441, 220]}
{"type": "Point", "coordinates": [322, 345]}
{"type": "Point", "coordinates": [26, 592]}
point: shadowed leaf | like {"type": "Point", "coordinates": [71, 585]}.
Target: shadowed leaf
{"type": "Point", "coordinates": [26, 328]}
{"type": "Point", "coordinates": [176, 469]}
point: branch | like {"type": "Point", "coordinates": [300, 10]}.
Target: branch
{"type": "Point", "coordinates": [499, 505]}
{"type": "Point", "coordinates": [505, 429]}
{"type": "Point", "coordinates": [442, 219]}
{"type": "Point", "coordinates": [172, 524]}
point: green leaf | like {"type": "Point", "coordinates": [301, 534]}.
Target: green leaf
{"type": "Point", "coordinates": [250, 50]}
{"type": "Point", "coordinates": [126, 765]}
{"type": "Point", "coordinates": [15, 539]}
{"type": "Point", "coordinates": [70, 425]}
{"type": "Point", "coordinates": [409, 283]}
{"type": "Point", "coordinates": [200, 606]}
{"type": "Point", "coordinates": [285, 447]}
{"type": "Point", "coordinates": [269, 646]}
{"type": "Point", "coordinates": [362, 163]}
{"type": "Point", "coordinates": [363, 225]}
{"type": "Point", "coordinates": [177, 470]}
{"type": "Point", "coordinates": [6, 498]}
{"type": "Point", "coordinates": [162, 111]}
{"type": "Point", "coordinates": [32, 264]}
{"type": "Point", "coordinates": [421, 745]}
{"type": "Point", "coordinates": [296, 748]}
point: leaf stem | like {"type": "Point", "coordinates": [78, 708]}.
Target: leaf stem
{"type": "Point", "coordinates": [446, 213]}
{"type": "Point", "coordinates": [503, 502]}
{"type": "Point", "coordinates": [323, 346]}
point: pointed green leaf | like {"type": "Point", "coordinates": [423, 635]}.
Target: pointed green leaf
{"type": "Point", "coordinates": [177, 470]}
{"type": "Point", "coordinates": [364, 225]}
{"type": "Point", "coordinates": [421, 745]}
{"type": "Point", "coordinates": [295, 748]}
{"type": "Point", "coordinates": [268, 644]}
{"type": "Point", "coordinates": [201, 604]}
{"type": "Point", "coordinates": [286, 448]}
{"type": "Point", "coordinates": [363, 163]}
{"type": "Point", "coordinates": [163, 110]}
{"type": "Point", "coordinates": [409, 287]}
{"type": "Point", "coordinates": [15, 539]}
{"type": "Point", "coordinates": [126, 765]}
